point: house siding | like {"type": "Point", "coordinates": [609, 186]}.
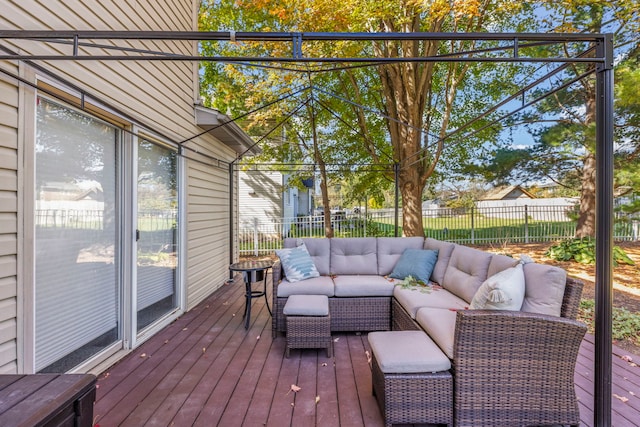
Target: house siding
{"type": "Point", "coordinates": [157, 95]}
{"type": "Point", "coordinates": [261, 201]}
{"type": "Point", "coordinates": [160, 94]}
{"type": "Point", "coordinates": [208, 229]}
{"type": "Point", "coordinates": [8, 223]}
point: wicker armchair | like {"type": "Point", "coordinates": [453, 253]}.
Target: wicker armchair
{"type": "Point", "coordinates": [515, 369]}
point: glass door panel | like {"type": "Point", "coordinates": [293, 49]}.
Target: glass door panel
{"type": "Point", "coordinates": [156, 234]}
{"type": "Point", "coordinates": [77, 286]}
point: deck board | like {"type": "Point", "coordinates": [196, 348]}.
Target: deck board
{"type": "Point", "coordinates": [205, 369]}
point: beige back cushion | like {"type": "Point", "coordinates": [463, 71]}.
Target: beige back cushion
{"type": "Point", "coordinates": [467, 270]}
{"type": "Point", "coordinates": [444, 255]}
{"type": "Point", "coordinates": [500, 263]}
{"type": "Point", "coordinates": [544, 289]}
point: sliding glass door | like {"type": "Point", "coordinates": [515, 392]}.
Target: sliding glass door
{"type": "Point", "coordinates": [96, 288]}
{"type": "Point", "coordinates": [156, 234]}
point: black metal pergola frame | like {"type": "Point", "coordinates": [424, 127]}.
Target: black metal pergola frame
{"type": "Point", "coordinates": [80, 44]}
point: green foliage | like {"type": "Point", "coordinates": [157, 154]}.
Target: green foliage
{"type": "Point", "coordinates": [412, 283]}
{"type": "Point", "coordinates": [626, 325]}
{"type": "Point", "coordinates": [583, 250]}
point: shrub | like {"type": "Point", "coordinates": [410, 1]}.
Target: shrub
{"type": "Point", "coordinates": [583, 250]}
{"type": "Point", "coordinates": [626, 325]}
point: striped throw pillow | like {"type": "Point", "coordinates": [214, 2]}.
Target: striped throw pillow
{"type": "Point", "coordinates": [297, 263]}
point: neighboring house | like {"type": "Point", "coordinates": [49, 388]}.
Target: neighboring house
{"type": "Point", "coordinates": [266, 200]}
{"type": "Point", "coordinates": [515, 202]}
{"type": "Point", "coordinates": [430, 208]}
{"type": "Point", "coordinates": [510, 192]}
{"type": "Point", "coordinates": [111, 226]}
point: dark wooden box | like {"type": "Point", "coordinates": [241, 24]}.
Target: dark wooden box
{"type": "Point", "coordinates": [48, 400]}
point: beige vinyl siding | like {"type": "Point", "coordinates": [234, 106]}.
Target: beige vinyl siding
{"type": "Point", "coordinates": [207, 229]}
{"type": "Point", "coordinates": [8, 223]}
{"type": "Point", "coordinates": [157, 95]}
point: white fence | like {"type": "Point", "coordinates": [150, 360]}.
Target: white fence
{"type": "Point", "coordinates": [516, 224]}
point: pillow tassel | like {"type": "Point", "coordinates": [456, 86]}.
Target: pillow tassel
{"type": "Point", "coordinates": [497, 296]}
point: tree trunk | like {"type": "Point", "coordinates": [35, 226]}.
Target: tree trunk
{"type": "Point", "coordinates": [328, 229]}
{"type": "Point", "coordinates": [411, 185]}
{"type": "Point", "coordinates": [586, 225]}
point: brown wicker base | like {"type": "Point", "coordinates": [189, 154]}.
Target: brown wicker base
{"type": "Point", "coordinates": [413, 398]}
{"type": "Point", "coordinates": [401, 320]}
{"type": "Point", "coordinates": [361, 314]}
{"type": "Point", "coordinates": [309, 332]}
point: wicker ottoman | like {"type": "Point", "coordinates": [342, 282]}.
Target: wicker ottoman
{"type": "Point", "coordinates": [411, 378]}
{"type": "Point", "coordinates": [308, 322]}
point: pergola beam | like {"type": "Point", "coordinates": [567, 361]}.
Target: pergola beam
{"type": "Point", "coordinates": [512, 51]}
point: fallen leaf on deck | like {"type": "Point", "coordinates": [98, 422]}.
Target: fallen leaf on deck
{"type": "Point", "coordinates": [621, 398]}
{"type": "Point", "coordinates": [184, 329]}
{"type": "Point", "coordinates": [143, 355]}
{"type": "Point", "coordinates": [166, 341]}
{"type": "Point", "coordinates": [258, 337]}
{"type": "Point", "coordinates": [324, 364]}
{"type": "Point", "coordinates": [627, 358]}
{"type": "Point", "coordinates": [368, 357]}
{"type": "Point", "coordinates": [336, 339]}
{"type": "Point", "coordinates": [204, 350]}
{"type": "Point", "coordinates": [294, 388]}
{"type": "Point", "coordinates": [317, 399]}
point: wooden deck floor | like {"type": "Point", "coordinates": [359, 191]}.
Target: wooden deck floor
{"type": "Point", "coordinates": [206, 370]}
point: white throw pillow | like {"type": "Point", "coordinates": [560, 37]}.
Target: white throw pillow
{"type": "Point", "coordinates": [297, 263]}
{"type": "Point", "coordinates": [502, 291]}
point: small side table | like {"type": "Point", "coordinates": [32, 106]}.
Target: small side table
{"type": "Point", "coordinates": [248, 269]}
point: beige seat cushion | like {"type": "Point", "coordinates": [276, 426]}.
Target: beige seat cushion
{"type": "Point", "coordinates": [407, 352]}
{"type": "Point", "coordinates": [363, 286]}
{"type": "Point", "coordinates": [322, 285]}
{"type": "Point", "coordinates": [440, 325]}
{"type": "Point", "coordinates": [414, 299]}
{"type": "Point", "coordinates": [306, 305]}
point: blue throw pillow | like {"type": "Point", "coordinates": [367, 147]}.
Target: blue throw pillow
{"type": "Point", "coordinates": [297, 263]}
{"type": "Point", "coordinates": [417, 263]}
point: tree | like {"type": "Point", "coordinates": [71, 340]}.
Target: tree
{"type": "Point", "coordinates": [627, 177]}
{"type": "Point", "coordinates": [418, 99]}
{"type": "Point", "coordinates": [563, 125]}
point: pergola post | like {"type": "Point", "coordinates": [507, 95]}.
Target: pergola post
{"type": "Point", "coordinates": [604, 233]}
{"type": "Point", "coordinates": [231, 216]}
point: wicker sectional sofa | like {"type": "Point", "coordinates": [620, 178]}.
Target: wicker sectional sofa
{"type": "Point", "coordinates": [509, 367]}
{"type": "Point", "coordinates": [361, 297]}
